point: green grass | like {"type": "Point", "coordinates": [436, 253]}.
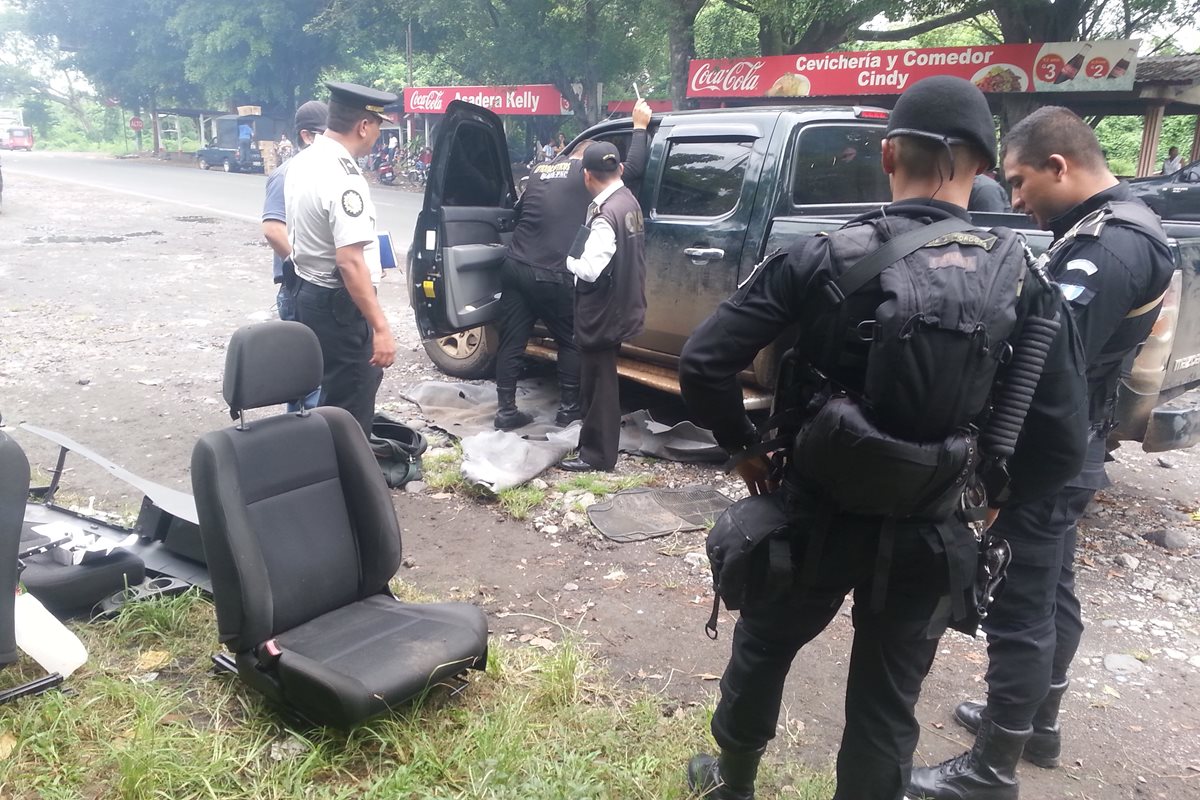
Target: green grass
{"type": "Point", "coordinates": [442, 472]}
{"type": "Point", "coordinates": [519, 501]}
{"type": "Point", "coordinates": [535, 725]}
{"type": "Point", "coordinates": [601, 485]}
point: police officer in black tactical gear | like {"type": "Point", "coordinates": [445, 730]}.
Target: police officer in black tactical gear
{"type": "Point", "coordinates": [1111, 259]}
{"type": "Point", "coordinates": [910, 574]}
{"type": "Point", "coordinates": [534, 280]}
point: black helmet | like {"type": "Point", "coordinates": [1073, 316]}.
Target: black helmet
{"type": "Point", "coordinates": [948, 110]}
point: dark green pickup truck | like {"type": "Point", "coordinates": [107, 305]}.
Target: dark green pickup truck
{"type": "Point", "coordinates": [722, 189]}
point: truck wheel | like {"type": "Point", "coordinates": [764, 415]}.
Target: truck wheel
{"type": "Point", "coordinates": [469, 354]}
{"type": "Point", "coordinates": [201, 163]}
{"type": "Point", "coordinates": [227, 165]}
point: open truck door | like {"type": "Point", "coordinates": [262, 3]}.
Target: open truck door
{"type": "Point", "coordinates": [464, 226]}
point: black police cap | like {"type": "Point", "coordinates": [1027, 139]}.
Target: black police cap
{"type": "Point", "coordinates": [948, 110]}
{"type": "Point", "coordinates": [602, 157]}
{"type": "Point", "coordinates": [362, 97]}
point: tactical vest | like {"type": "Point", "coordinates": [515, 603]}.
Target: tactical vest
{"type": "Point", "coordinates": [1104, 372]}
{"type": "Point", "coordinates": [906, 368]}
{"type": "Point", "coordinates": [612, 309]}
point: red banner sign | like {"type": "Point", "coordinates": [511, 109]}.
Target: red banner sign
{"type": "Point", "coordinates": [537, 99]}
{"type": "Point", "coordinates": [1053, 67]}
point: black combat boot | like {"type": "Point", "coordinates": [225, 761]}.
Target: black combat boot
{"type": "Point", "coordinates": [988, 771]}
{"type": "Point", "coordinates": [568, 405]}
{"type": "Point", "coordinates": [508, 417]}
{"type": "Point", "coordinates": [1045, 746]}
{"type": "Point", "coordinates": [729, 777]}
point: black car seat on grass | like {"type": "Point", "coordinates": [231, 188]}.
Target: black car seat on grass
{"type": "Point", "coordinates": [14, 491]}
{"type": "Point", "coordinates": [301, 539]}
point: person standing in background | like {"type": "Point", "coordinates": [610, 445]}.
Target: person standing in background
{"type": "Point", "coordinates": [1174, 162]}
{"type": "Point", "coordinates": [311, 119]}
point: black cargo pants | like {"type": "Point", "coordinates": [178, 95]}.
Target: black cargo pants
{"type": "Point", "coordinates": [1034, 626]}
{"type": "Point", "coordinates": [349, 380]}
{"type": "Point", "coordinates": [893, 649]}
{"type": "Point", "coordinates": [529, 294]}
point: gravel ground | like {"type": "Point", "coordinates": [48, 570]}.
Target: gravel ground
{"type": "Point", "coordinates": [114, 316]}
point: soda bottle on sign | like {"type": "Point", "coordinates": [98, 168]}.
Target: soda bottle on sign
{"type": "Point", "coordinates": [1072, 67]}
{"type": "Point", "coordinates": [1121, 67]}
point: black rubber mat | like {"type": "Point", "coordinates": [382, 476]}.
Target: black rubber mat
{"type": "Point", "coordinates": [634, 515]}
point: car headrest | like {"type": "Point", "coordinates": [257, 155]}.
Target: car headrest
{"type": "Point", "coordinates": [271, 363]}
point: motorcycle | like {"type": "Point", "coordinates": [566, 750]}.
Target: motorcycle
{"type": "Point", "coordinates": [386, 172]}
{"type": "Point", "coordinates": [415, 171]}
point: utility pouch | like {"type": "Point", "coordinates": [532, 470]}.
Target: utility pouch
{"type": "Point", "coordinates": [749, 550]}
{"type": "Point", "coordinates": [397, 449]}
{"type": "Point", "coordinates": [991, 565]}
{"type": "Point", "coordinates": [291, 283]}
{"type": "Point", "coordinates": [866, 471]}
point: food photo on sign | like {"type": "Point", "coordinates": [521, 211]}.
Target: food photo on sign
{"type": "Point", "coordinates": [1052, 67]}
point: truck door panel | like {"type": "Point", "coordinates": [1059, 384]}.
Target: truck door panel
{"type": "Point", "coordinates": [465, 224]}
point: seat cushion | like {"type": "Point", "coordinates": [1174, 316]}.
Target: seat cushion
{"type": "Point", "coordinates": [68, 590]}
{"type": "Point", "coordinates": [364, 658]}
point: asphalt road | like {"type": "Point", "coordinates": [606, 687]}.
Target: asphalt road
{"type": "Point", "coordinates": [212, 191]}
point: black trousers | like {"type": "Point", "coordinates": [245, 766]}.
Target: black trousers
{"type": "Point", "coordinates": [349, 380]}
{"type": "Point", "coordinates": [1034, 625]}
{"type": "Point", "coordinates": [892, 652]}
{"type": "Point", "coordinates": [600, 402]}
{"type": "Point", "coordinates": [529, 294]}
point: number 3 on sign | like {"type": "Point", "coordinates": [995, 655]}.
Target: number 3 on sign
{"type": "Point", "coordinates": [1048, 67]}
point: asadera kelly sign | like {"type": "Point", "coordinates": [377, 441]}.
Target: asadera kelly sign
{"type": "Point", "coordinates": [537, 99]}
{"type": "Point", "coordinates": [1106, 65]}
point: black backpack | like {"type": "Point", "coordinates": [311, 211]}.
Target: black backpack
{"type": "Point", "coordinates": [907, 444]}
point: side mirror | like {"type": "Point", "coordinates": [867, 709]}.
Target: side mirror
{"type": "Point", "coordinates": [1191, 176]}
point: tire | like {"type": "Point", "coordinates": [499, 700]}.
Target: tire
{"type": "Point", "coordinates": [201, 163]}
{"type": "Point", "coordinates": [227, 165]}
{"type": "Point", "coordinates": [470, 354]}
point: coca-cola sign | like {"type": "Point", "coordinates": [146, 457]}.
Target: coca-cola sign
{"type": "Point", "coordinates": [425, 100]}
{"type": "Point", "coordinates": [1098, 66]}
{"type": "Point", "coordinates": [534, 100]}
{"type": "Point", "coordinates": [739, 77]}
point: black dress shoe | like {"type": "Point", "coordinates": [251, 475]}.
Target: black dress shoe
{"type": "Point", "coordinates": [578, 465]}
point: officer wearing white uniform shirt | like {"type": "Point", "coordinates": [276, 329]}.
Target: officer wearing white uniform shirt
{"type": "Point", "coordinates": [331, 225]}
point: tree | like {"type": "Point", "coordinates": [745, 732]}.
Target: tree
{"type": "Point", "coordinates": [125, 49]}
{"type": "Point", "coordinates": [30, 70]}
{"type": "Point", "coordinates": [788, 27]}
{"type": "Point", "coordinates": [265, 53]}
{"type": "Point", "coordinates": [681, 43]}
{"type": "Point", "coordinates": [576, 45]}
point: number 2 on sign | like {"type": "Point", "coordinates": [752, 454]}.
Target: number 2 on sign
{"type": "Point", "coordinates": [1097, 68]}
{"type": "Point", "coordinates": [1048, 68]}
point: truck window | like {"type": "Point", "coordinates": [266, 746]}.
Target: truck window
{"type": "Point", "coordinates": [702, 179]}
{"type": "Point", "coordinates": [473, 173]}
{"type": "Point", "coordinates": [839, 164]}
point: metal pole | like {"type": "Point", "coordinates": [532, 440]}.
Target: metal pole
{"type": "Point", "coordinates": [408, 127]}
